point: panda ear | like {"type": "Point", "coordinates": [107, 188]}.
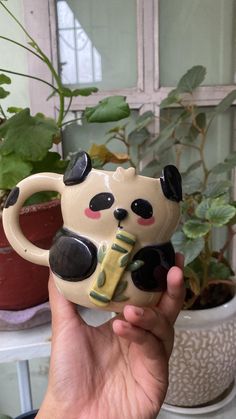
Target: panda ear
{"type": "Point", "coordinates": [79, 167]}
{"type": "Point", "coordinates": [171, 183]}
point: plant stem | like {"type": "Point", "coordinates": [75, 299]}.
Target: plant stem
{"type": "Point", "coordinates": [16, 20]}
{"type": "Point", "coordinates": [22, 46]}
{"type": "Point", "coordinates": [206, 259]}
{"type": "Point", "coordinates": [71, 121]}
{"type": "Point", "coordinates": [49, 65]}
{"type": "Point", "coordinates": [231, 234]}
{"type": "Point", "coordinates": [28, 76]}
{"type": "Point", "coordinates": [2, 112]}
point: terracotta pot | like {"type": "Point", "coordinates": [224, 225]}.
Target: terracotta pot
{"type": "Point", "coordinates": [203, 362]}
{"type": "Point", "coordinates": [24, 284]}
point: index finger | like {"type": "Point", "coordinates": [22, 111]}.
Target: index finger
{"type": "Point", "coordinates": [173, 298]}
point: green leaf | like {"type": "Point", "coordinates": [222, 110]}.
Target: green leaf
{"type": "Point", "coordinates": [191, 183]}
{"type": "Point", "coordinates": [121, 287]}
{"type": "Point", "coordinates": [196, 228]}
{"type": "Point", "coordinates": [216, 189]}
{"type": "Point", "coordinates": [220, 215]}
{"type": "Point", "coordinates": [201, 120]}
{"type": "Point", "coordinates": [28, 136]}
{"type": "Point", "coordinates": [40, 197]}
{"type": "Point", "coordinates": [189, 247]}
{"type": "Point", "coordinates": [203, 207]}
{"type": "Point", "coordinates": [192, 79]}
{"type": "Point", "coordinates": [14, 109]}
{"type": "Point", "coordinates": [143, 120]}
{"type": "Point", "coordinates": [12, 170]}
{"type": "Point", "coordinates": [109, 109]}
{"type": "Point", "coordinates": [87, 91]}
{"type": "Point", "coordinates": [3, 93]}
{"type": "Point", "coordinates": [219, 270]}
{"type": "Point", "coordinates": [225, 103]}
{"type": "Point", "coordinates": [222, 168]}
{"type": "Point", "coordinates": [4, 79]}
{"type": "Point", "coordinates": [231, 158]}
{"type": "Point", "coordinates": [165, 134]}
{"type": "Point", "coordinates": [101, 279]}
{"type": "Point", "coordinates": [137, 137]}
{"type": "Point", "coordinates": [194, 166]}
{"type": "Point", "coordinates": [50, 163]}
{"type": "Point", "coordinates": [173, 97]}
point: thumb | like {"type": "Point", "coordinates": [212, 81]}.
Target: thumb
{"type": "Point", "coordinates": [62, 309]}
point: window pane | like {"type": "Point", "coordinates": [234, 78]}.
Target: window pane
{"type": "Point", "coordinates": [97, 42]}
{"type": "Point", "coordinates": [197, 32]}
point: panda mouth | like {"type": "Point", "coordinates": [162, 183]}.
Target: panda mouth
{"type": "Point", "coordinates": [119, 224]}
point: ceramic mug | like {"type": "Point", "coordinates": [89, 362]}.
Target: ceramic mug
{"type": "Point", "coordinates": [114, 247]}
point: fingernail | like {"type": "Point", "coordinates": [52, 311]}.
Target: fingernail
{"type": "Point", "coordinates": [139, 311]}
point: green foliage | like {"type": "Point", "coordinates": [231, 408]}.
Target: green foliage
{"type": "Point", "coordinates": [207, 205]}
{"type": "Point", "coordinates": [26, 140]}
{"type": "Point", "coordinates": [109, 109]}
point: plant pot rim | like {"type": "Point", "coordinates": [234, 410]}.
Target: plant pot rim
{"type": "Point", "coordinates": [29, 209]}
{"type": "Point", "coordinates": [189, 319]}
{"type": "Point", "coordinates": [41, 206]}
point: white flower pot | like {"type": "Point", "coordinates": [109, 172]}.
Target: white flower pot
{"type": "Point", "coordinates": [203, 362]}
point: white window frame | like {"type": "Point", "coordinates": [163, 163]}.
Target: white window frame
{"type": "Point", "coordinates": [40, 20]}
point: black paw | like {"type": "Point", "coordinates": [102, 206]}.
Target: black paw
{"type": "Point", "coordinates": [72, 257]}
{"type": "Point", "coordinates": [152, 276]}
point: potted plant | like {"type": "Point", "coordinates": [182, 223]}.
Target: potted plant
{"type": "Point", "coordinates": [203, 362]}
{"type": "Point", "coordinates": [26, 148]}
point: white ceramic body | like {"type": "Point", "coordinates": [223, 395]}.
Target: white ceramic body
{"type": "Point", "coordinates": [203, 362]}
{"type": "Point", "coordinates": [123, 187]}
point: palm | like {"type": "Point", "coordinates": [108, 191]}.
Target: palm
{"type": "Point", "coordinates": [117, 370]}
{"type": "Point", "coordinates": [114, 369]}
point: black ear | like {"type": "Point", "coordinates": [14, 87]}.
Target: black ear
{"type": "Point", "coordinates": [171, 183]}
{"type": "Point", "coordinates": [79, 167]}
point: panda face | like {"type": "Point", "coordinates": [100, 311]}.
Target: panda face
{"type": "Point", "coordinates": [106, 200]}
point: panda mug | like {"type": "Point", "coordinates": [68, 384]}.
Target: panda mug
{"type": "Point", "coordinates": [114, 246]}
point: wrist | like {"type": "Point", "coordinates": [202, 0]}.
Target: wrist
{"type": "Point", "coordinates": [52, 409]}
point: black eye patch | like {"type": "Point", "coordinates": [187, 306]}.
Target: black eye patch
{"type": "Point", "coordinates": [101, 201]}
{"type": "Point", "coordinates": [142, 208]}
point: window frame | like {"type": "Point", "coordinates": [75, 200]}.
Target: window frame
{"type": "Point", "coordinates": [40, 20]}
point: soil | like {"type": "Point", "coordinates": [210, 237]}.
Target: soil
{"type": "Point", "coordinates": [213, 296]}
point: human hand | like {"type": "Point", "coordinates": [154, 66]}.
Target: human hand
{"type": "Point", "coordinates": [117, 370]}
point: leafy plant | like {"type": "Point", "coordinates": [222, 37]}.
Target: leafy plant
{"type": "Point", "coordinates": [133, 135]}
{"type": "Point", "coordinates": [208, 205]}
{"type": "Point", "coordinates": [26, 140]}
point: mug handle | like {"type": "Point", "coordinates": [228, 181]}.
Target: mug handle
{"type": "Point", "coordinates": [10, 217]}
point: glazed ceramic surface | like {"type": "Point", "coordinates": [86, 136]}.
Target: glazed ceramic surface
{"type": "Point", "coordinates": [203, 362]}
{"type": "Point", "coordinates": [114, 246]}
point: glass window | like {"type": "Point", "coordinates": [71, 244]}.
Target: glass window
{"type": "Point", "coordinates": [197, 32]}
{"type": "Point", "coordinates": [97, 42]}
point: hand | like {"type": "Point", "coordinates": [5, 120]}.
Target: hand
{"type": "Point", "coordinates": [117, 370]}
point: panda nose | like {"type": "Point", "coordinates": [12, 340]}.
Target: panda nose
{"type": "Point", "coordinates": [120, 214]}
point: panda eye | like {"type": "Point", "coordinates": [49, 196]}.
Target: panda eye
{"type": "Point", "coordinates": [101, 201]}
{"type": "Point", "coordinates": [142, 207]}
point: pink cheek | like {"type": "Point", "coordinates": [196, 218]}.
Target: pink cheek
{"type": "Point", "coordinates": [95, 215]}
{"type": "Point", "coordinates": [146, 222]}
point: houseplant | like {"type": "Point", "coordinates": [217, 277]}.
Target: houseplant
{"type": "Point", "coordinates": [203, 363]}
{"type": "Point", "coordinates": [26, 148]}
